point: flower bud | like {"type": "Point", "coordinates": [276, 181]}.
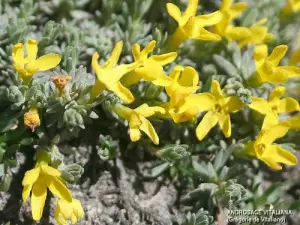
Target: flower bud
{"type": "Point", "coordinates": [32, 119]}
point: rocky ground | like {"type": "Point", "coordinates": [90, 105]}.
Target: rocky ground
{"type": "Point", "coordinates": [111, 193]}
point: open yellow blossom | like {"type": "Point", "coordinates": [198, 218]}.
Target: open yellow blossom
{"type": "Point", "coordinates": [295, 58]}
{"type": "Point", "coordinates": [109, 75]}
{"type": "Point", "coordinates": [149, 68]}
{"type": "Point", "coordinates": [138, 122]}
{"type": "Point", "coordinates": [185, 81]}
{"type": "Point", "coordinates": [273, 106]}
{"type": "Point", "coordinates": [38, 180]}
{"type": "Point", "coordinates": [32, 119]}
{"type": "Point", "coordinates": [68, 210]}
{"type": "Point", "coordinates": [27, 66]}
{"type": "Point", "coordinates": [218, 107]}
{"type": "Point", "coordinates": [271, 154]}
{"type": "Point", "coordinates": [291, 6]}
{"type": "Point", "coordinates": [230, 12]}
{"type": "Point", "coordinates": [267, 66]}
{"type": "Point", "coordinates": [259, 34]}
{"type": "Point", "coordinates": [191, 26]}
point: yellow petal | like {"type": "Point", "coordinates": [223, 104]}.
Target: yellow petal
{"type": "Point", "coordinates": [77, 208]}
{"type": "Point", "coordinates": [38, 198]}
{"type": "Point", "coordinates": [277, 54]}
{"type": "Point", "coordinates": [189, 77]}
{"type": "Point", "coordinates": [163, 81]}
{"type": "Point", "coordinates": [64, 208]}
{"type": "Point", "coordinates": [134, 134]}
{"type": "Point", "coordinates": [174, 12]}
{"type": "Point", "coordinates": [260, 52]}
{"type": "Point", "coordinates": [275, 154]}
{"type": "Point", "coordinates": [175, 74]}
{"type": "Point", "coordinates": [136, 52]}
{"type": "Point", "coordinates": [191, 10]}
{"type": "Point", "coordinates": [226, 4]}
{"type": "Point", "coordinates": [277, 93]}
{"type": "Point", "coordinates": [237, 33]}
{"type": "Point", "coordinates": [150, 72]}
{"type": "Point", "coordinates": [115, 55]}
{"type": "Point", "coordinates": [74, 218]}
{"type": "Point", "coordinates": [164, 59]}
{"type": "Point", "coordinates": [205, 35]}
{"type": "Point", "coordinates": [26, 192]}
{"type": "Point", "coordinates": [225, 124]}
{"type": "Point", "coordinates": [207, 123]}
{"type": "Point", "coordinates": [260, 105]}
{"type": "Point", "coordinates": [47, 62]}
{"type": "Point", "coordinates": [122, 92]}
{"type": "Point", "coordinates": [237, 9]}
{"type": "Point", "coordinates": [18, 54]}
{"type": "Point", "coordinates": [294, 122]}
{"type": "Point", "coordinates": [209, 19]}
{"type": "Point", "coordinates": [233, 104]}
{"type": "Point", "coordinates": [31, 49]}
{"type": "Point", "coordinates": [50, 171]}
{"type": "Point", "coordinates": [279, 75]}
{"type": "Point", "coordinates": [268, 136]}
{"type": "Point", "coordinates": [147, 127]}
{"type": "Point", "coordinates": [287, 105]}
{"type": "Point", "coordinates": [58, 188]}
{"type": "Point", "coordinates": [147, 111]}
{"type": "Point", "coordinates": [112, 76]}
{"type": "Point", "coordinates": [291, 71]}
{"type": "Point", "coordinates": [130, 79]}
{"type": "Point", "coordinates": [31, 176]}
{"type": "Point", "coordinates": [270, 120]}
{"type": "Point", "coordinates": [123, 111]}
{"type": "Point", "coordinates": [203, 101]}
{"type": "Point", "coordinates": [189, 114]}
{"type": "Point", "coordinates": [95, 64]}
{"type": "Point", "coordinates": [148, 49]}
{"type": "Point", "coordinates": [216, 90]}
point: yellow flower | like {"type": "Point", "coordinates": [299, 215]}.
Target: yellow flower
{"type": "Point", "coordinates": [264, 149]}
{"type": "Point", "coordinates": [191, 26]}
{"type": "Point", "coordinates": [138, 122]}
{"type": "Point", "coordinates": [109, 75]}
{"type": "Point", "coordinates": [60, 82]}
{"type": "Point", "coordinates": [149, 68]}
{"type": "Point", "coordinates": [295, 58]}
{"type": "Point", "coordinates": [259, 34]}
{"type": "Point", "coordinates": [267, 66]}
{"type": "Point", "coordinates": [68, 210]}
{"type": "Point", "coordinates": [291, 6]}
{"type": "Point", "coordinates": [273, 106]}
{"type": "Point", "coordinates": [230, 12]}
{"type": "Point", "coordinates": [32, 119]}
{"type": "Point", "coordinates": [38, 180]}
{"type": "Point", "coordinates": [294, 122]}
{"type": "Point", "coordinates": [185, 82]}
{"type": "Point", "coordinates": [218, 108]}
{"type": "Point", "coordinates": [27, 66]}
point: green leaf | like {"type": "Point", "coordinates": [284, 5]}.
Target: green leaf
{"type": "Point", "coordinates": [158, 170]}
{"type": "Point", "coordinates": [201, 169]}
{"type": "Point", "coordinates": [225, 65]}
{"type": "Point", "coordinates": [5, 184]}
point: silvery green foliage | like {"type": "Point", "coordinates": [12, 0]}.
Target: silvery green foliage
{"type": "Point", "coordinates": [202, 217]}
{"type": "Point", "coordinates": [107, 148]}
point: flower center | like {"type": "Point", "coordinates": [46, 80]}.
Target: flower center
{"type": "Point", "coordinates": [217, 108]}
{"type": "Point", "coordinates": [260, 148]}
